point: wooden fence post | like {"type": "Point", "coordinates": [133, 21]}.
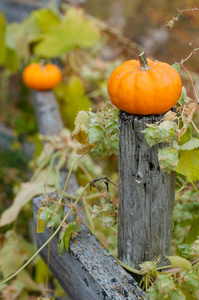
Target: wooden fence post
{"type": "Point", "coordinates": [47, 112]}
{"type": "Point", "coordinates": [146, 196]}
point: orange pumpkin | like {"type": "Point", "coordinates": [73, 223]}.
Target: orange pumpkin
{"type": "Point", "coordinates": [144, 86]}
{"type": "Point", "coordinates": [41, 77]}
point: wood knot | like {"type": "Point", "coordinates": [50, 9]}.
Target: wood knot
{"type": "Point", "coordinates": [138, 177]}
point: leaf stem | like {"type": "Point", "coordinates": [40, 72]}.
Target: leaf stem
{"type": "Point", "coordinates": [48, 259]}
{"type": "Point", "coordinates": [128, 268]}
{"type": "Point", "coordinates": [194, 126]}
{"type": "Point", "coordinates": [69, 173]}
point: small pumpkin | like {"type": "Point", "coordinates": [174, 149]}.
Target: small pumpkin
{"type": "Point", "coordinates": [144, 86]}
{"type": "Point", "coordinates": [41, 77]}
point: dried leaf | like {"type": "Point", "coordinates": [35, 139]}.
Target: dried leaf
{"type": "Point", "coordinates": [83, 148]}
{"type": "Point", "coordinates": [182, 131]}
{"type": "Point", "coordinates": [82, 118]}
{"type": "Point", "coordinates": [80, 134]}
{"type": "Point", "coordinates": [28, 191]}
{"type": "Point", "coordinates": [170, 116]}
{"type": "Point", "coordinates": [189, 111]}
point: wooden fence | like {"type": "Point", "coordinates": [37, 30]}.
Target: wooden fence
{"type": "Point", "coordinates": [146, 200]}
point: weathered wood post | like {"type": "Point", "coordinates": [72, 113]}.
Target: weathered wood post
{"type": "Point", "coordinates": [47, 112]}
{"type": "Point", "coordinates": [146, 195]}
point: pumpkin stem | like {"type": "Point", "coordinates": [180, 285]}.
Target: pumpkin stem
{"type": "Point", "coordinates": [143, 62]}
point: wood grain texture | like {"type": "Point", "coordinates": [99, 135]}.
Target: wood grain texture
{"type": "Point", "coordinates": [47, 112]}
{"type": "Point", "coordinates": [88, 272]}
{"type": "Point", "coordinates": [146, 196]}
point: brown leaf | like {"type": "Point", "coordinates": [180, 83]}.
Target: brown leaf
{"type": "Point", "coordinates": [170, 116]}
{"type": "Point", "coordinates": [80, 134]}
{"type": "Point", "coordinates": [83, 148]}
{"type": "Point", "coordinates": [190, 111]}
{"type": "Point", "coordinates": [182, 131]}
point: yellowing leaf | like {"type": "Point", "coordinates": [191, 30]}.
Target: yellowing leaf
{"type": "Point", "coordinates": [72, 100]}
{"type": "Point", "coordinates": [170, 116]}
{"type": "Point", "coordinates": [43, 16]}
{"type": "Point", "coordinates": [14, 253]}
{"type": "Point", "coordinates": [83, 148]}
{"type": "Point", "coordinates": [191, 144]}
{"type": "Point", "coordinates": [189, 165]}
{"type": "Point", "coordinates": [2, 35]}
{"type": "Point", "coordinates": [80, 134]}
{"type": "Point", "coordinates": [74, 31]}
{"type": "Point", "coordinates": [180, 262]}
{"type": "Point", "coordinates": [28, 191]}
{"type": "Point", "coordinates": [28, 282]}
{"type": "Point", "coordinates": [82, 118]}
{"type": "Point", "coordinates": [40, 223]}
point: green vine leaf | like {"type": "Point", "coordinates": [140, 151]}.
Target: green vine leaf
{"type": "Point", "coordinates": [60, 245]}
{"type": "Point", "coordinates": [191, 144]}
{"type": "Point", "coordinates": [176, 66]}
{"type": "Point", "coordinates": [72, 99]}
{"type": "Point", "coordinates": [165, 132]}
{"type": "Point", "coordinates": [168, 159]}
{"type": "Point", "coordinates": [2, 37]}
{"type": "Point", "coordinates": [68, 233]}
{"type": "Point", "coordinates": [180, 262]}
{"type": "Point", "coordinates": [43, 16]}
{"type": "Point", "coordinates": [74, 31]}
{"type": "Point", "coordinates": [189, 165]}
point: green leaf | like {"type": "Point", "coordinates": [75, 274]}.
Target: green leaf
{"type": "Point", "coordinates": [2, 39]}
{"type": "Point", "coordinates": [189, 165]}
{"type": "Point", "coordinates": [82, 32]}
{"type": "Point", "coordinates": [177, 295]}
{"type": "Point", "coordinates": [183, 97]}
{"type": "Point", "coordinates": [153, 293]}
{"type": "Point", "coordinates": [14, 253]}
{"type": "Point", "coordinates": [43, 16]}
{"type": "Point", "coordinates": [191, 144]}
{"type": "Point", "coordinates": [95, 134]}
{"type": "Point", "coordinates": [70, 228]}
{"type": "Point", "coordinates": [74, 31]}
{"type": "Point", "coordinates": [27, 191]}
{"type": "Point", "coordinates": [165, 132]}
{"type": "Point", "coordinates": [180, 262]}
{"type": "Point", "coordinates": [185, 250]}
{"type": "Point", "coordinates": [72, 100]}
{"type": "Point", "coordinates": [45, 215]}
{"type": "Point", "coordinates": [11, 61]}
{"type": "Point", "coordinates": [194, 230]}
{"type": "Point", "coordinates": [60, 245]}
{"type": "Point", "coordinates": [176, 66]}
{"type": "Point", "coordinates": [28, 282]}
{"type": "Point", "coordinates": [168, 159]}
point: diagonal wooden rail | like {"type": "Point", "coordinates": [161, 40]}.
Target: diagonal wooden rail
{"type": "Point", "coordinates": [88, 272]}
